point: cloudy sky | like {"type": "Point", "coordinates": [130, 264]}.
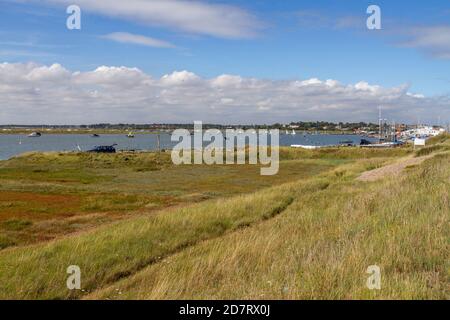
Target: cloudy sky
{"type": "Point", "coordinates": [232, 61]}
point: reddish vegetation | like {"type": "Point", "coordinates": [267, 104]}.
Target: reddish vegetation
{"type": "Point", "coordinates": [36, 206]}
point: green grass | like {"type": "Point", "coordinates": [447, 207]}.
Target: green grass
{"type": "Point", "coordinates": [343, 153]}
{"type": "Point", "coordinates": [309, 232]}
{"type": "Point", "coordinates": [6, 241]}
{"type": "Point", "coordinates": [320, 247]}
{"type": "Point", "coordinates": [107, 254]}
{"type": "Point", "coordinates": [63, 193]}
{"type": "Point", "coordinates": [432, 149]}
{"type": "Point", "coordinates": [442, 138]}
{"type": "Point", "coordinates": [16, 224]}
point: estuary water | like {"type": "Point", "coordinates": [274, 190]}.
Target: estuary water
{"type": "Point", "coordinates": [12, 145]}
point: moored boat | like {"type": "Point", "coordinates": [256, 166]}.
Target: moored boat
{"type": "Point", "coordinates": [104, 149]}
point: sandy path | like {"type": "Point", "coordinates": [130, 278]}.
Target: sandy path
{"type": "Point", "coordinates": [391, 170]}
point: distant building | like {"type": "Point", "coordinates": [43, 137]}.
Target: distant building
{"type": "Point", "coordinates": [423, 131]}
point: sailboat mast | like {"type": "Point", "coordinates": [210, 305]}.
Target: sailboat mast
{"type": "Point", "coordinates": [379, 122]}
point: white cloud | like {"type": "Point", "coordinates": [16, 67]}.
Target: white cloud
{"type": "Point", "coordinates": [50, 74]}
{"type": "Point", "coordinates": [227, 81]}
{"type": "Point", "coordinates": [125, 37]}
{"type": "Point", "coordinates": [309, 82]}
{"type": "Point", "coordinates": [364, 86]}
{"type": "Point", "coordinates": [434, 40]}
{"type": "Point", "coordinates": [119, 77]}
{"type": "Point", "coordinates": [197, 17]}
{"type": "Point", "coordinates": [180, 78]}
{"type": "Point", "coordinates": [416, 95]}
{"type": "Point", "coordinates": [31, 93]}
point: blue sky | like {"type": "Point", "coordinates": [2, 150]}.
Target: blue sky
{"type": "Point", "coordinates": [272, 40]}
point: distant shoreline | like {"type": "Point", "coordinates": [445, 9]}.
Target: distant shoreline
{"type": "Point", "coordinates": [120, 132]}
{"type": "Point", "coordinates": [54, 132]}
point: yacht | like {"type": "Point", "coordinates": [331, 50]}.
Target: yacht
{"type": "Point", "coordinates": [34, 135]}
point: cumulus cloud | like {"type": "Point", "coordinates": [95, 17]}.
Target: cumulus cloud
{"type": "Point", "coordinates": [32, 93]}
{"type": "Point", "coordinates": [180, 78]}
{"type": "Point", "coordinates": [198, 17]}
{"type": "Point", "coordinates": [125, 37]}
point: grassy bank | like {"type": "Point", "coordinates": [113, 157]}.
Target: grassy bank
{"type": "Point", "coordinates": [309, 232]}
{"type": "Point", "coordinates": [115, 251]}
{"type": "Point", "coordinates": [320, 247]}
{"type": "Point", "coordinates": [48, 195]}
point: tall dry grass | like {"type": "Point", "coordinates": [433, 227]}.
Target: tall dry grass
{"type": "Point", "coordinates": [312, 239]}
{"type": "Point", "coordinates": [109, 253]}
{"type": "Point", "coordinates": [321, 246]}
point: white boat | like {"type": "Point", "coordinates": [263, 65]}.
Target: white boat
{"type": "Point", "coordinates": [293, 132]}
{"type": "Point", "coordinates": [382, 145]}
{"type": "Point", "coordinates": [305, 147]}
{"type": "Point", "coordinates": [34, 135]}
{"type": "Point", "coordinates": [130, 135]}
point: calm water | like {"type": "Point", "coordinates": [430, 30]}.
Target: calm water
{"type": "Point", "coordinates": [11, 145]}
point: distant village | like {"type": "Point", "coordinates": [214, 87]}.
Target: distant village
{"type": "Point", "coordinates": [359, 128]}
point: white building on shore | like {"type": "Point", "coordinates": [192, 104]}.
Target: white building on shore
{"type": "Point", "coordinates": [422, 131]}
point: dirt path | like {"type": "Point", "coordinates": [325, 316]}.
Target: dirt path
{"type": "Point", "coordinates": [391, 170]}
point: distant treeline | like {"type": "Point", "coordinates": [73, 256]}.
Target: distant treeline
{"type": "Point", "coordinates": [319, 125]}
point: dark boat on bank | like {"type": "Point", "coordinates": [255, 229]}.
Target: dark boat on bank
{"type": "Point", "coordinates": [365, 142]}
{"type": "Point", "coordinates": [104, 149]}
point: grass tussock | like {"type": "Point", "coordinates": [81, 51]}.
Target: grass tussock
{"type": "Point", "coordinates": [431, 149]}
{"type": "Point", "coordinates": [439, 143]}
{"type": "Point", "coordinates": [442, 138]}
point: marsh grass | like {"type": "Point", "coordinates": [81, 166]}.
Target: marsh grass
{"type": "Point", "coordinates": [344, 153]}
{"type": "Point", "coordinates": [320, 247]}
{"type": "Point", "coordinates": [107, 254]}
{"type": "Point", "coordinates": [309, 232]}
{"type": "Point", "coordinates": [16, 224]}
{"type": "Point", "coordinates": [53, 190]}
